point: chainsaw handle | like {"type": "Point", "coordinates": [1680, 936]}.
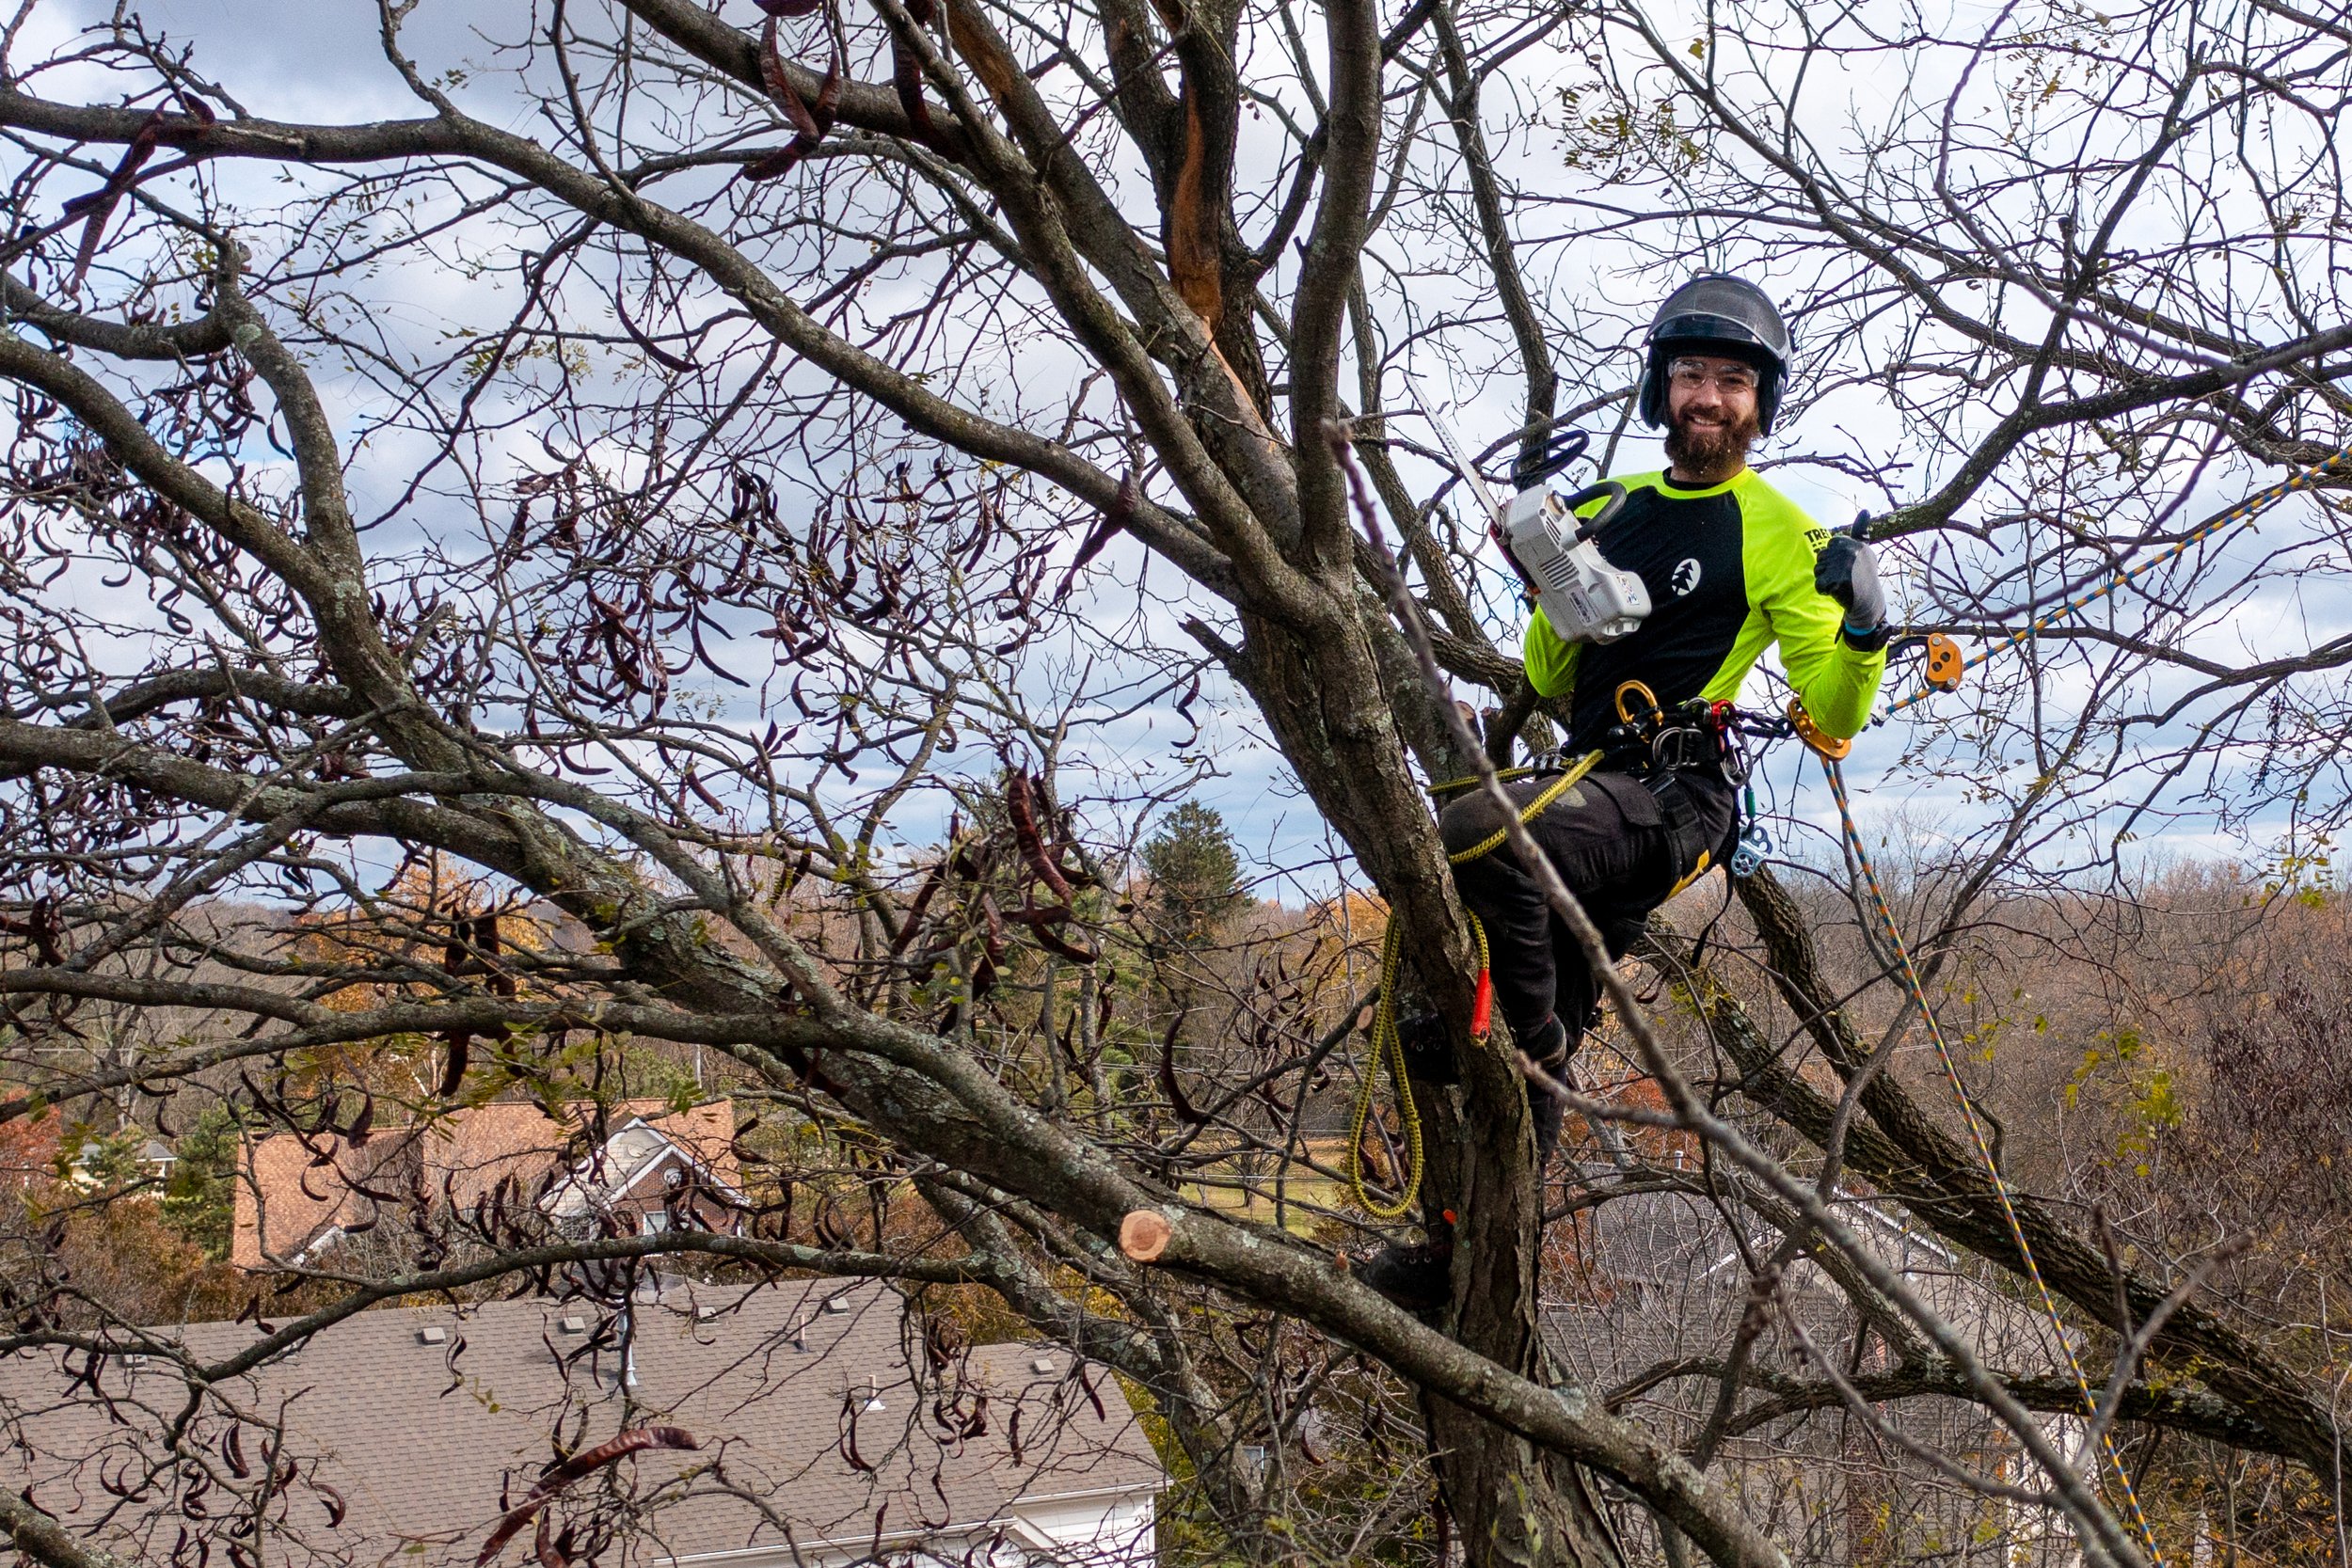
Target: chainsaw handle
{"type": "Point", "coordinates": [1609, 492]}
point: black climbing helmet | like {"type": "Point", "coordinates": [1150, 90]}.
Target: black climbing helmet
{"type": "Point", "coordinates": [1718, 313]}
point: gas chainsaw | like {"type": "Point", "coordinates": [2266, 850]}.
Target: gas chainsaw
{"type": "Point", "coordinates": [1553, 551]}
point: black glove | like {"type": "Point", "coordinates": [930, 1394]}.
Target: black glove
{"type": "Point", "coordinates": [1848, 572]}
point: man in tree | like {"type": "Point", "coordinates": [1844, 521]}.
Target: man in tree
{"type": "Point", "coordinates": [1731, 566]}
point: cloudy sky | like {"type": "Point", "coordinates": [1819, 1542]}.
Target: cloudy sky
{"type": "Point", "coordinates": [322, 62]}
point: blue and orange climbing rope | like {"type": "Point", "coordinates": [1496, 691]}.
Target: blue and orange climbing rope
{"type": "Point", "coordinates": [2336, 463]}
{"type": "Point", "coordinates": [1909, 975]}
{"type": "Point", "coordinates": [1944, 675]}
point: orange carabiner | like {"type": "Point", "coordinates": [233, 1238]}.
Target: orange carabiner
{"type": "Point", "coordinates": [1813, 735]}
{"type": "Point", "coordinates": [1649, 700]}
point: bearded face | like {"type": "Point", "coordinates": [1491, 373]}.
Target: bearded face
{"type": "Point", "coordinates": [1707, 443]}
{"type": "Point", "coordinates": [1712, 418]}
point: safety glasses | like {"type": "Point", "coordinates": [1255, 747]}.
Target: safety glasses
{"type": "Point", "coordinates": [1692, 374]}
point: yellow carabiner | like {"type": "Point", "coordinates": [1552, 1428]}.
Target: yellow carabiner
{"type": "Point", "coordinates": [1649, 701]}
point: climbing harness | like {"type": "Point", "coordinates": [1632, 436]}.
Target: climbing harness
{"type": "Point", "coordinates": [1655, 742]}
{"type": "Point", "coordinates": [1668, 743]}
{"type": "Point", "coordinates": [1659, 746]}
{"type": "Point", "coordinates": [1917, 991]}
{"type": "Point", "coordinates": [1387, 1048]}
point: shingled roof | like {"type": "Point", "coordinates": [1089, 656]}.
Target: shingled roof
{"type": "Point", "coordinates": [408, 1431]}
{"type": "Point", "coordinates": [301, 1189]}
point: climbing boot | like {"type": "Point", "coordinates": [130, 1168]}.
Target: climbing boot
{"type": "Point", "coordinates": [1417, 1276]}
{"type": "Point", "coordinates": [1548, 1050]}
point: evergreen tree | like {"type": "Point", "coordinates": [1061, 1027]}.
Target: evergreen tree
{"type": "Point", "coordinates": [200, 1195]}
{"type": "Point", "coordinates": [1195, 871]}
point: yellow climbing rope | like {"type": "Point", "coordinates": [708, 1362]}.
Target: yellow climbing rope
{"type": "Point", "coordinates": [1471, 781]}
{"type": "Point", "coordinates": [1387, 1050]}
{"type": "Point", "coordinates": [1910, 977]}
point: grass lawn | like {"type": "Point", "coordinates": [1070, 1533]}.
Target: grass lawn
{"type": "Point", "coordinates": [1307, 1191]}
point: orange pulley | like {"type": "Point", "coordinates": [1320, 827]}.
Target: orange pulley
{"type": "Point", "coordinates": [1945, 662]}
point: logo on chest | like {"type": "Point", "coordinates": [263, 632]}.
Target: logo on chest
{"type": "Point", "coordinates": [1686, 576]}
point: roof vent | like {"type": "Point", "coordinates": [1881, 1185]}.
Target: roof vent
{"type": "Point", "coordinates": [1044, 1364]}
{"type": "Point", "coordinates": [704, 1314]}
{"type": "Point", "coordinates": [432, 1334]}
{"type": "Point", "coordinates": [873, 1396]}
{"type": "Point", "coordinates": [573, 1325]}
{"type": "Point", "coordinates": [837, 1303]}
{"type": "Point", "coordinates": [135, 1361]}
{"type": "Point", "coordinates": [800, 1336]}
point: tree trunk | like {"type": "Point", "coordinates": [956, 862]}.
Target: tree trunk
{"type": "Point", "coordinates": [1342, 708]}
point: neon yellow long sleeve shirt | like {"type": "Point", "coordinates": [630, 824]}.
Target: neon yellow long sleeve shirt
{"type": "Point", "coordinates": [1729, 571]}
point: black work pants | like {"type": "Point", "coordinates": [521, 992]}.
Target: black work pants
{"type": "Point", "coordinates": [1619, 843]}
